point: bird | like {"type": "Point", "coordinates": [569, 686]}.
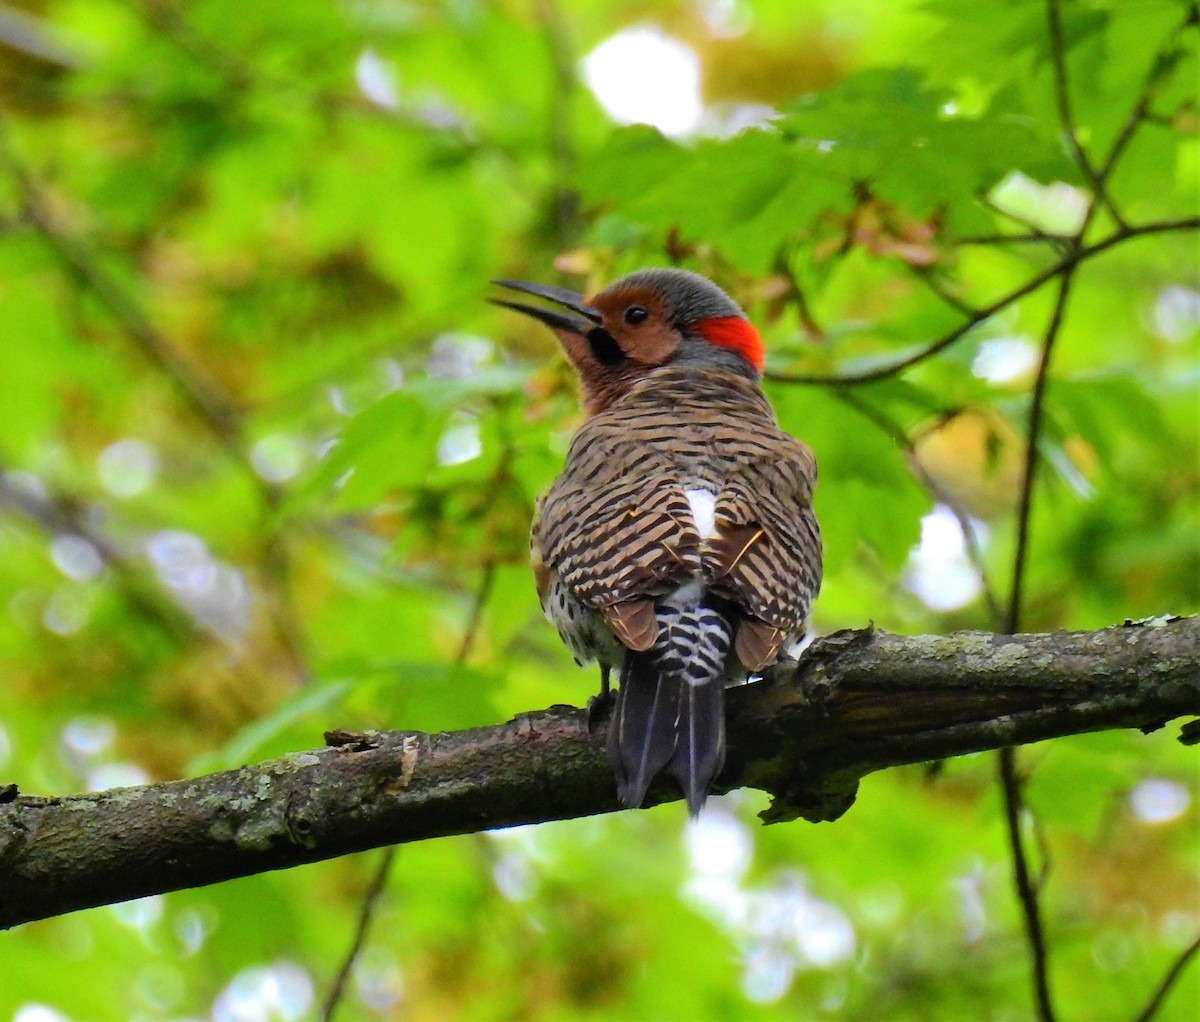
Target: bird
{"type": "Point", "coordinates": [679, 544]}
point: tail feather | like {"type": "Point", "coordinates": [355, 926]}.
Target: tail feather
{"type": "Point", "coordinates": [699, 742]}
{"type": "Point", "coordinates": [670, 712]}
{"type": "Point", "coordinates": [641, 739]}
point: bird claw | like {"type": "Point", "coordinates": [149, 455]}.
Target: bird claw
{"type": "Point", "coordinates": [599, 707]}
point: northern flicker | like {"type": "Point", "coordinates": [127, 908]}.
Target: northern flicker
{"type": "Point", "coordinates": [679, 543]}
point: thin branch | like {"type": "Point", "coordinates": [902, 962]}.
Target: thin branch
{"type": "Point", "coordinates": [1168, 981]}
{"type": "Point", "coordinates": [1076, 253]}
{"type": "Point", "coordinates": [365, 916]}
{"type": "Point", "coordinates": [1045, 861]}
{"type": "Point", "coordinates": [797, 295]}
{"type": "Point", "coordinates": [1027, 889]}
{"type": "Point", "coordinates": [1068, 261]}
{"type": "Point", "coordinates": [1137, 117]}
{"type": "Point", "coordinates": [1032, 440]}
{"type": "Point", "coordinates": [1033, 237]}
{"type": "Point", "coordinates": [1026, 886]}
{"type": "Point", "coordinates": [482, 594]}
{"type": "Point", "coordinates": [1139, 113]}
{"type": "Point", "coordinates": [926, 277]}
{"type": "Point", "coordinates": [203, 397]}
{"type": "Point", "coordinates": [1035, 232]}
{"type": "Point", "coordinates": [1066, 117]}
{"type": "Point", "coordinates": [938, 346]}
{"type": "Point", "coordinates": [378, 882]}
{"type": "Point", "coordinates": [812, 329]}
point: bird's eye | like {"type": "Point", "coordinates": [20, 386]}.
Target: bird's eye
{"type": "Point", "coordinates": [635, 314]}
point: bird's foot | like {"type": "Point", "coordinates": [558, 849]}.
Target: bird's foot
{"type": "Point", "coordinates": [599, 707]}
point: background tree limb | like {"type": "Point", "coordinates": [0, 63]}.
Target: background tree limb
{"type": "Point", "coordinates": [859, 702]}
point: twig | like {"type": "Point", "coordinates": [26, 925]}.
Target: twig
{"type": "Point", "coordinates": [926, 277]}
{"type": "Point", "coordinates": [1045, 862]}
{"type": "Point", "coordinates": [796, 292]}
{"type": "Point", "coordinates": [1027, 890]}
{"type": "Point", "coordinates": [1068, 261]}
{"type": "Point", "coordinates": [375, 889]}
{"type": "Point", "coordinates": [808, 320]}
{"type": "Point", "coordinates": [1140, 112]}
{"type": "Point", "coordinates": [1077, 252]}
{"type": "Point", "coordinates": [205, 400]}
{"type": "Point", "coordinates": [1062, 98]}
{"type": "Point", "coordinates": [1038, 237]}
{"type": "Point", "coordinates": [1137, 117]}
{"type": "Point", "coordinates": [1034, 231]}
{"type": "Point", "coordinates": [366, 914]}
{"type": "Point", "coordinates": [1032, 439]}
{"type": "Point", "coordinates": [471, 632]}
{"type": "Point", "coordinates": [1168, 981]}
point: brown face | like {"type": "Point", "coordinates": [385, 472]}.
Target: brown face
{"type": "Point", "coordinates": [637, 319]}
{"type": "Point", "coordinates": [620, 336]}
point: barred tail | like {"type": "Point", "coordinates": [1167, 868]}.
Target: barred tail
{"type": "Point", "coordinates": [699, 741]}
{"type": "Point", "coordinates": [670, 710]}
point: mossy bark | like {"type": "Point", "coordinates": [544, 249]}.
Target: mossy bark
{"type": "Point", "coordinates": [858, 702]}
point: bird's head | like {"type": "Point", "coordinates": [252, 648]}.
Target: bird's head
{"type": "Point", "coordinates": [644, 320]}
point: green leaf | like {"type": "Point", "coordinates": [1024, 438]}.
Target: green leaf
{"type": "Point", "coordinates": [390, 446]}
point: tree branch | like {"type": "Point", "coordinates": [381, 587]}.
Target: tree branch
{"type": "Point", "coordinates": [1068, 262]}
{"type": "Point", "coordinates": [205, 399]}
{"type": "Point", "coordinates": [894, 700]}
{"type": "Point", "coordinates": [1027, 889]}
{"type": "Point", "coordinates": [374, 892]}
{"type": "Point", "coordinates": [1066, 117]}
{"type": "Point", "coordinates": [1168, 981]}
{"type": "Point", "coordinates": [366, 915]}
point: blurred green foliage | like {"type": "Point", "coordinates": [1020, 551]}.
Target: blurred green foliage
{"type": "Point", "coordinates": [268, 458]}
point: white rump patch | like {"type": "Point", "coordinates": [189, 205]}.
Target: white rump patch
{"type": "Point", "coordinates": [703, 505]}
{"type": "Point", "coordinates": [801, 644]}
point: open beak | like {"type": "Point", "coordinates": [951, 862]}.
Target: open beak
{"type": "Point", "coordinates": [557, 295]}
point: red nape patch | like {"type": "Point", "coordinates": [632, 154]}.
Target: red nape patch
{"type": "Point", "coordinates": [735, 333]}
